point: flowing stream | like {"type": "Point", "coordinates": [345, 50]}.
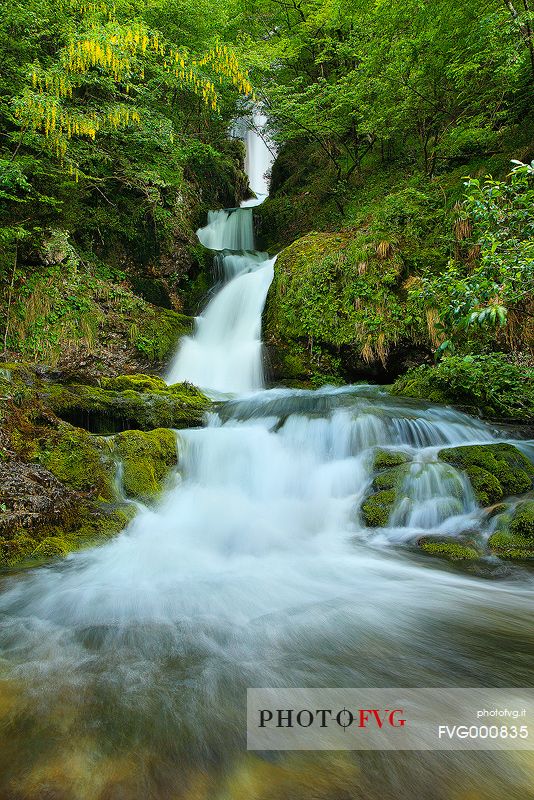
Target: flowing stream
{"type": "Point", "coordinates": [125, 667]}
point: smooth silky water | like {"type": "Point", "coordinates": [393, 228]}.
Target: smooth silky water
{"type": "Point", "coordinates": [125, 667]}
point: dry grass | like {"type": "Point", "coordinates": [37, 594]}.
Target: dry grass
{"type": "Point", "coordinates": [384, 250]}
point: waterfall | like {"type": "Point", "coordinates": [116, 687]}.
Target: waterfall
{"type": "Point", "coordinates": [125, 666]}
{"type": "Point", "coordinates": [224, 354]}
{"type": "Point", "coordinates": [259, 158]}
{"type": "Point", "coordinates": [228, 230]}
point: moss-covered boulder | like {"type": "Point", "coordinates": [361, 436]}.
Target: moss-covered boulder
{"type": "Point", "coordinates": [391, 478]}
{"type": "Point", "coordinates": [384, 459]}
{"type": "Point", "coordinates": [447, 548]}
{"type": "Point", "coordinates": [151, 404]}
{"type": "Point", "coordinates": [58, 488]}
{"type": "Point", "coordinates": [391, 468]}
{"type": "Point", "coordinates": [377, 508]}
{"type": "Point", "coordinates": [146, 459]}
{"type": "Point", "coordinates": [514, 532]}
{"type": "Point", "coordinates": [496, 471]}
{"type": "Point", "coordinates": [335, 307]}
{"type": "Point", "coordinates": [79, 459]}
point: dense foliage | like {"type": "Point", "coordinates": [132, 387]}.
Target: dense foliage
{"type": "Point", "coordinates": [489, 385]}
{"type": "Point", "coordinates": [104, 113]}
{"type": "Point", "coordinates": [410, 126]}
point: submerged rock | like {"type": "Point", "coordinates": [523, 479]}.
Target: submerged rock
{"type": "Point", "coordinates": [496, 471]}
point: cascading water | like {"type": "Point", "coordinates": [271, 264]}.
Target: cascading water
{"type": "Point", "coordinates": [125, 668]}
{"type": "Point", "coordinates": [225, 352]}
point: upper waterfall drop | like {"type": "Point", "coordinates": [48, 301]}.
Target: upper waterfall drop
{"type": "Point", "coordinates": [224, 354]}
{"type": "Point", "coordinates": [228, 229]}
{"type": "Point", "coordinates": [259, 158]}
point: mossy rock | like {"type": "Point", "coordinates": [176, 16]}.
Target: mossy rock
{"type": "Point", "coordinates": [496, 471]}
{"type": "Point", "coordinates": [147, 459]}
{"type": "Point", "coordinates": [137, 383]}
{"type": "Point", "coordinates": [90, 524]}
{"type": "Point", "coordinates": [392, 478]}
{"type": "Point", "coordinates": [51, 547]}
{"type": "Point", "coordinates": [514, 533]}
{"type": "Point", "coordinates": [17, 547]}
{"type": "Point", "coordinates": [108, 411]}
{"type": "Point", "coordinates": [376, 509]}
{"type": "Point", "coordinates": [384, 459]}
{"type": "Point", "coordinates": [79, 459]}
{"type": "Point", "coordinates": [522, 522]}
{"type": "Point", "coordinates": [486, 487]}
{"type": "Point", "coordinates": [451, 550]}
{"type": "Point", "coordinates": [336, 306]}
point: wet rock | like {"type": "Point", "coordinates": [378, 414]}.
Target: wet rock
{"type": "Point", "coordinates": [389, 458]}
{"type": "Point", "coordinates": [377, 508]}
{"type": "Point", "coordinates": [79, 459]}
{"type": "Point", "coordinates": [496, 471]}
{"type": "Point", "coordinates": [147, 459]}
{"type": "Point", "coordinates": [514, 532]}
{"type": "Point", "coordinates": [449, 549]}
{"type": "Point", "coordinates": [151, 404]}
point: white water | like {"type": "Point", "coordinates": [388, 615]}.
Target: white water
{"type": "Point", "coordinates": [225, 352]}
{"type": "Point", "coordinates": [257, 570]}
{"type": "Point", "coordinates": [228, 230]}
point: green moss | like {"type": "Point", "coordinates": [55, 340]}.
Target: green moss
{"type": "Point", "coordinates": [522, 523]}
{"type": "Point", "coordinates": [78, 459]}
{"type": "Point", "coordinates": [384, 459]}
{"type": "Point", "coordinates": [157, 331]}
{"type": "Point", "coordinates": [514, 532]}
{"type": "Point", "coordinates": [339, 295]}
{"type": "Point", "coordinates": [105, 410]}
{"type": "Point", "coordinates": [146, 459]}
{"type": "Point", "coordinates": [16, 547]}
{"type": "Point", "coordinates": [51, 547]}
{"type": "Point", "coordinates": [99, 524]}
{"type": "Point", "coordinates": [453, 551]}
{"type": "Point", "coordinates": [495, 470]}
{"type": "Point", "coordinates": [377, 508]}
{"type": "Point", "coordinates": [137, 383]}
{"type": "Point", "coordinates": [392, 478]}
{"type": "Point", "coordinates": [486, 486]}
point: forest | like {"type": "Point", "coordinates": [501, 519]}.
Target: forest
{"type": "Point", "coordinates": [266, 294]}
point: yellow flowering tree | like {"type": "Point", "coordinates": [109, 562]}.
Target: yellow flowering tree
{"type": "Point", "coordinates": [93, 83]}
